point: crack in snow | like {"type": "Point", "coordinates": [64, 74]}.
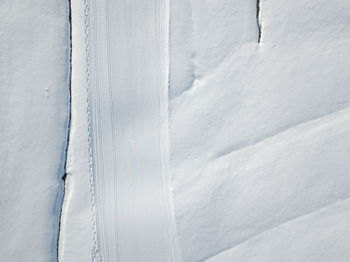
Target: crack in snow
{"type": "Point", "coordinates": [63, 182]}
{"type": "Point", "coordinates": [258, 23]}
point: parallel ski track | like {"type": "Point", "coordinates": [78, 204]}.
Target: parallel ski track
{"type": "Point", "coordinates": [128, 130]}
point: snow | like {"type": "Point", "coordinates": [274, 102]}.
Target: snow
{"type": "Point", "coordinates": [251, 142]}
{"type": "Point", "coordinates": [34, 109]}
{"type": "Point", "coordinates": [200, 130]}
{"type": "Point", "coordinates": [319, 236]}
{"type": "Point", "coordinates": [126, 119]}
{"type": "Point", "coordinates": [76, 239]}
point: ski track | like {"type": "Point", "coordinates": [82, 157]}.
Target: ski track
{"type": "Point", "coordinates": [127, 96]}
{"type": "Point", "coordinates": [95, 250]}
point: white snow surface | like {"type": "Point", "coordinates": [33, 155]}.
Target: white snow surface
{"type": "Point", "coordinates": [190, 140]}
{"type": "Point", "coordinates": [118, 153]}
{"type": "Point", "coordinates": [259, 133]}
{"type": "Point", "coordinates": [320, 236]}
{"type": "Point", "coordinates": [76, 238]}
{"type": "Point", "coordinates": [34, 110]}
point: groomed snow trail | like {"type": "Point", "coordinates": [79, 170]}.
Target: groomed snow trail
{"type": "Point", "coordinates": [127, 78]}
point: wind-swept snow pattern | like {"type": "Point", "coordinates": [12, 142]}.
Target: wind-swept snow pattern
{"type": "Point", "coordinates": [259, 132]}
{"type": "Point", "coordinates": [319, 236]}
{"type": "Point", "coordinates": [127, 81]}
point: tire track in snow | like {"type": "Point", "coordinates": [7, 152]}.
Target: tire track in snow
{"type": "Point", "coordinates": [127, 71]}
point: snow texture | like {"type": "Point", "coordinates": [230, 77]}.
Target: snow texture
{"type": "Point", "coordinates": [201, 130]}
{"type": "Point", "coordinates": [259, 132]}
{"type": "Point", "coordinates": [124, 148]}
{"type": "Point", "coordinates": [76, 238]}
{"type": "Point", "coordinates": [34, 110]}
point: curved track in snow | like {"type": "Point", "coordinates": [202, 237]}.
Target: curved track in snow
{"type": "Point", "coordinates": [127, 70]}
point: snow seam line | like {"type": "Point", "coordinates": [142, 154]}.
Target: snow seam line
{"type": "Point", "coordinates": [95, 252]}
{"type": "Point", "coordinates": [258, 23]}
{"type": "Point", "coordinates": [68, 127]}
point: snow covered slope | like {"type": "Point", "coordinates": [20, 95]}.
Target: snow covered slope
{"type": "Point", "coordinates": [319, 236]}
{"type": "Point", "coordinates": [259, 132]}
{"type": "Point", "coordinates": [34, 110]}
{"type": "Point", "coordinates": [76, 237]}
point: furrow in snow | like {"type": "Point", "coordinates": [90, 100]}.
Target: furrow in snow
{"type": "Point", "coordinates": [258, 23]}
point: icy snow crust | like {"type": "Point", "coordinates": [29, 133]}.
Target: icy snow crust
{"type": "Point", "coordinates": [34, 109]}
{"type": "Point", "coordinates": [259, 133]}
